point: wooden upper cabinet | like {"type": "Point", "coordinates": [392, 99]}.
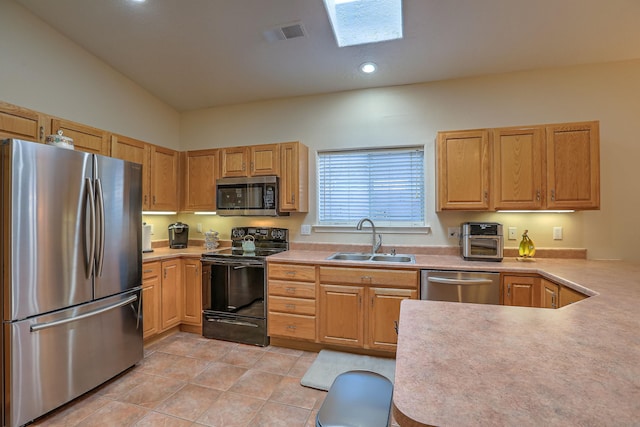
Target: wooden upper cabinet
{"type": "Point", "coordinates": [294, 177]}
{"type": "Point", "coordinates": [255, 160]}
{"type": "Point", "coordinates": [135, 151]}
{"type": "Point", "coordinates": [164, 179]}
{"type": "Point", "coordinates": [264, 159]}
{"type": "Point", "coordinates": [573, 166]}
{"type": "Point", "coordinates": [518, 166]}
{"type": "Point", "coordinates": [234, 161]}
{"type": "Point", "coordinates": [463, 170]}
{"type": "Point", "coordinates": [85, 138]}
{"type": "Point", "coordinates": [21, 123]}
{"type": "Point", "coordinates": [201, 172]}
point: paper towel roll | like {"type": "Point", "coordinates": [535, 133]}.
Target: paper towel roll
{"type": "Point", "coordinates": [146, 238]}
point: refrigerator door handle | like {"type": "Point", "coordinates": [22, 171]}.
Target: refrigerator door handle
{"type": "Point", "coordinates": [40, 326]}
{"type": "Point", "coordinates": [101, 220]}
{"type": "Point", "coordinates": [92, 227]}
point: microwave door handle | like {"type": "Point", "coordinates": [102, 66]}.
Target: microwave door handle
{"type": "Point", "coordinates": [468, 282]}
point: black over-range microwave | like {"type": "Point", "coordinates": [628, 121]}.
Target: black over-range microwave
{"type": "Point", "coordinates": [247, 196]}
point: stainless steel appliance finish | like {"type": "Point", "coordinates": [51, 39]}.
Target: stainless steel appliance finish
{"type": "Point", "coordinates": [250, 196]}
{"type": "Point", "coordinates": [482, 241]}
{"type": "Point", "coordinates": [460, 286]}
{"type": "Point", "coordinates": [71, 261]}
{"type": "Point", "coordinates": [234, 286]}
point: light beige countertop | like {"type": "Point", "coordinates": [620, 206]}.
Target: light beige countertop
{"type": "Point", "coordinates": [472, 364]}
{"type": "Point", "coordinates": [160, 254]}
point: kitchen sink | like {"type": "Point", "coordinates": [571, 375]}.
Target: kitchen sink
{"type": "Point", "coordinates": [352, 256]}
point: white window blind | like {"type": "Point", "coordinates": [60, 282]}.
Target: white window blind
{"type": "Point", "coordinates": [385, 185]}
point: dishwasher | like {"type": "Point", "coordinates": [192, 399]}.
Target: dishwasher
{"type": "Point", "coordinates": [460, 286]}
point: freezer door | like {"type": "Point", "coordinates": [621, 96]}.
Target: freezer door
{"type": "Point", "coordinates": [55, 358]}
{"type": "Point", "coordinates": [46, 234]}
{"type": "Point", "coordinates": [119, 232]}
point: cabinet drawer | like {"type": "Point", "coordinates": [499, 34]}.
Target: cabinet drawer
{"type": "Point", "coordinates": [292, 289]}
{"type": "Point", "coordinates": [292, 326]}
{"type": "Point", "coordinates": [292, 305]}
{"type": "Point", "coordinates": [305, 273]}
{"type": "Point", "coordinates": [369, 276]}
{"type": "Point", "coordinates": [150, 269]}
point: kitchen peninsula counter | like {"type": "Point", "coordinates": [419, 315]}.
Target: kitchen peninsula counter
{"type": "Point", "coordinates": [472, 364]}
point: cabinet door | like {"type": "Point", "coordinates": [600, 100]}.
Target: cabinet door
{"type": "Point", "coordinates": [463, 170]}
{"type": "Point", "coordinates": [522, 291]}
{"type": "Point", "coordinates": [573, 166]}
{"type": "Point", "coordinates": [549, 294]}
{"type": "Point", "coordinates": [132, 150]}
{"type": "Point", "coordinates": [384, 315]}
{"type": "Point", "coordinates": [294, 182]}
{"type": "Point", "coordinates": [234, 161]}
{"type": "Point", "coordinates": [192, 292]}
{"type": "Point", "coordinates": [518, 155]}
{"type": "Point", "coordinates": [150, 305]}
{"type": "Point", "coordinates": [85, 138]}
{"type": "Point", "coordinates": [265, 159]}
{"type": "Point", "coordinates": [341, 315]}
{"type": "Point", "coordinates": [21, 123]}
{"type": "Point", "coordinates": [164, 179]}
{"type": "Point", "coordinates": [171, 301]}
{"type": "Point", "coordinates": [150, 299]}
{"type": "Point", "coordinates": [202, 171]}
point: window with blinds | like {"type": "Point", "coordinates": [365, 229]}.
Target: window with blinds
{"type": "Point", "coordinates": [385, 185]}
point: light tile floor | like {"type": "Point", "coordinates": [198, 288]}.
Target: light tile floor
{"type": "Point", "coordinates": [187, 380]}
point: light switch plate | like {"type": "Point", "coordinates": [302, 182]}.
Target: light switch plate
{"type": "Point", "coordinates": [305, 229]}
{"type": "Point", "coordinates": [557, 233]}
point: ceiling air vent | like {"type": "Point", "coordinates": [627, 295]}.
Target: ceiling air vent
{"type": "Point", "coordinates": [285, 32]}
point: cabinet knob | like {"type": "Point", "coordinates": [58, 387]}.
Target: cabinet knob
{"type": "Point", "coordinates": [538, 195]}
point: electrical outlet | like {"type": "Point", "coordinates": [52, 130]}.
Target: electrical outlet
{"type": "Point", "coordinates": [512, 233]}
{"type": "Point", "coordinates": [305, 229]}
{"type": "Point", "coordinates": [151, 229]}
{"type": "Point", "coordinates": [453, 232]}
{"type": "Point", "coordinates": [199, 227]}
{"type": "Point", "coordinates": [557, 233]}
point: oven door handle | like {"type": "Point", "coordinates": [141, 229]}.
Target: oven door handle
{"type": "Point", "coordinates": [239, 267]}
{"type": "Point", "coordinates": [233, 322]}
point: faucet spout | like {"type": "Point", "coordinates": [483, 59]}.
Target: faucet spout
{"type": "Point", "coordinates": [375, 243]}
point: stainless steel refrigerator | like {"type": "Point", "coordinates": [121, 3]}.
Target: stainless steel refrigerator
{"type": "Point", "coordinates": [71, 274]}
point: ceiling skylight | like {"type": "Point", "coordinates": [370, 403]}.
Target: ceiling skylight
{"type": "Point", "coordinates": [357, 22]}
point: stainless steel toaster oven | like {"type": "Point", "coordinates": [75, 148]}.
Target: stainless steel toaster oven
{"type": "Point", "coordinates": [482, 241]}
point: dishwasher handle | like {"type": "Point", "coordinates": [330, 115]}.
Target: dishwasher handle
{"type": "Point", "coordinates": [469, 282]}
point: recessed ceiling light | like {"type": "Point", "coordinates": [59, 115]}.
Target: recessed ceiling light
{"type": "Point", "coordinates": [356, 22]}
{"type": "Point", "coordinates": [368, 67]}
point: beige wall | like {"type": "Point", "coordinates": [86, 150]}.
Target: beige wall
{"type": "Point", "coordinates": [44, 71]}
{"type": "Point", "coordinates": [413, 114]}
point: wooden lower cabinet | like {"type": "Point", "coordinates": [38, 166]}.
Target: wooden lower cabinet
{"type": "Point", "coordinates": [535, 291]}
{"type": "Point", "coordinates": [523, 291]}
{"type": "Point", "coordinates": [342, 315]}
{"type": "Point", "coordinates": [291, 301]}
{"type": "Point", "coordinates": [384, 314]}
{"type": "Point", "coordinates": [550, 294]}
{"type": "Point", "coordinates": [171, 295]}
{"type": "Point", "coordinates": [192, 292]}
{"type": "Point", "coordinates": [360, 307]}
{"type": "Point", "coordinates": [150, 299]}
{"type": "Point", "coordinates": [170, 300]}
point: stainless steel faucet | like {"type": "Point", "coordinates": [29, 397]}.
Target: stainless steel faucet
{"type": "Point", "coordinates": [375, 245]}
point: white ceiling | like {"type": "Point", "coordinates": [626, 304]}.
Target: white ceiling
{"type": "Point", "coordinates": [202, 53]}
